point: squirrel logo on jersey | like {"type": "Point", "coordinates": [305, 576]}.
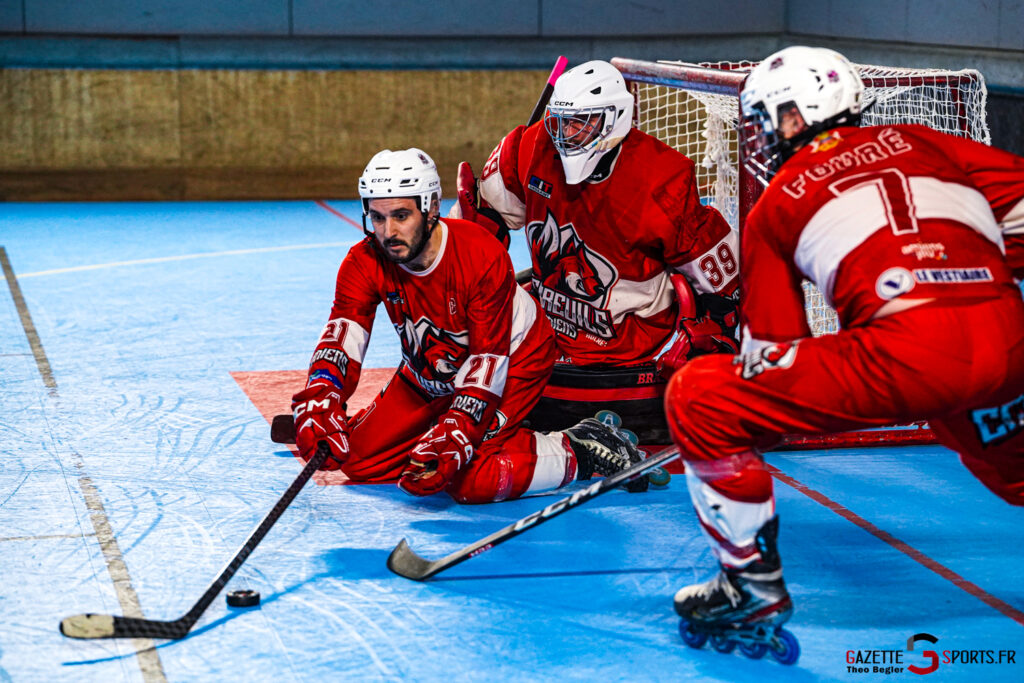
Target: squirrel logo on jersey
{"type": "Point", "coordinates": [571, 281]}
{"type": "Point", "coordinates": [433, 353]}
{"type": "Point", "coordinates": [497, 422]}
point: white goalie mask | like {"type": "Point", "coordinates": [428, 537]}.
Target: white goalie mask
{"type": "Point", "coordinates": [589, 113]}
{"type": "Point", "coordinates": [405, 173]}
{"type": "Point", "coordinates": [818, 83]}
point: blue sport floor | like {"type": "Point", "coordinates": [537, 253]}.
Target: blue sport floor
{"type": "Point", "coordinates": [132, 467]}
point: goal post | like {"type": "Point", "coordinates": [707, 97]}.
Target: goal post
{"type": "Point", "coordinates": [694, 108]}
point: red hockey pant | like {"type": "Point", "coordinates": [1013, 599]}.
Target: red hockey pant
{"type": "Point", "coordinates": [961, 368]}
{"type": "Point", "coordinates": [502, 468]}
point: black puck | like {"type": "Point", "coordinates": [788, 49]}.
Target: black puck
{"type": "Point", "coordinates": [243, 598]}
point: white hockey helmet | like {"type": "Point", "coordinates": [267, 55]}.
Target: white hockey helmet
{"type": "Point", "coordinates": [405, 173]}
{"type": "Point", "coordinates": [589, 113]}
{"type": "Point", "coordinates": [819, 83]}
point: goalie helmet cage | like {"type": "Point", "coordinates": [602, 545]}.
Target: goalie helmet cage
{"type": "Point", "coordinates": [694, 108]}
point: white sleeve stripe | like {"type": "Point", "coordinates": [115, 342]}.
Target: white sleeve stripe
{"type": "Point", "coordinates": [485, 371]}
{"type": "Point", "coordinates": [1013, 222]}
{"type": "Point", "coordinates": [492, 189]}
{"type": "Point", "coordinates": [934, 198]}
{"type": "Point", "coordinates": [698, 277]}
{"type": "Point", "coordinates": [355, 342]}
{"type": "Point", "coordinates": [844, 223]}
{"type": "Point", "coordinates": [524, 316]}
{"type": "Point", "coordinates": [749, 344]}
{"type": "Point", "coordinates": [838, 227]}
{"type": "Point", "coordinates": [643, 299]}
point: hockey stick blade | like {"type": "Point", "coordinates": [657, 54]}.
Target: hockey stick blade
{"type": "Point", "coordinates": [404, 561]}
{"type": "Point", "coordinates": [90, 626]}
{"type": "Point", "coordinates": [282, 429]}
{"type": "Point", "coordinates": [545, 95]}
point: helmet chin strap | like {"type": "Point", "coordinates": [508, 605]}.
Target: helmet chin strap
{"type": "Point", "coordinates": [604, 165]}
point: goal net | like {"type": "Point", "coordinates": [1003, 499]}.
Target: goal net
{"type": "Point", "coordinates": [695, 109]}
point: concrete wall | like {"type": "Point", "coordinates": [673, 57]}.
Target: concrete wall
{"type": "Point", "coordinates": [234, 134]}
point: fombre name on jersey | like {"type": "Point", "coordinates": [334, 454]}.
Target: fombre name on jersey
{"type": "Point", "coordinates": [889, 143]}
{"type": "Point", "coordinates": [578, 314]}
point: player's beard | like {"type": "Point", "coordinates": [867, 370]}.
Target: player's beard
{"type": "Point", "coordinates": [415, 248]}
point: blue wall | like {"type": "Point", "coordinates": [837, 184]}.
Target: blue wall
{"type": "Point", "coordinates": [508, 34]}
{"type": "Point", "coordinates": [360, 18]}
{"type": "Point", "coordinates": [994, 24]}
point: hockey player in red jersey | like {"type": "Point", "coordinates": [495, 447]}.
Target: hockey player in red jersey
{"type": "Point", "coordinates": [476, 352]}
{"type": "Point", "coordinates": [898, 226]}
{"type": "Point", "coordinates": [609, 213]}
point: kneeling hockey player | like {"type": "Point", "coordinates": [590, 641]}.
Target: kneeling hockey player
{"type": "Point", "coordinates": [615, 228]}
{"type": "Point", "coordinates": [476, 353]}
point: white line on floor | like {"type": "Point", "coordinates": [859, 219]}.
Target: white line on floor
{"type": "Point", "coordinates": [183, 257]}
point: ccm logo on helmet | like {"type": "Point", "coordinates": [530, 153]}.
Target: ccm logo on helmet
{"type": "Point", "coordinates": [561, 103]}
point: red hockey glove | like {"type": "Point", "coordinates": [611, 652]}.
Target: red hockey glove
{"type": "Point", "coordinates": [706, 324]}
{"type": "Point", "coordinates": [438, 455]}
{"type": "Point", "coordinates": [320, 416]}
{"type": "Point", "coordinates": [471, 208]}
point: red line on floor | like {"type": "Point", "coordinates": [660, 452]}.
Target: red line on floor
{"type": "Point", "coordinates": [913, 553]}
{"type": "Point", "coordinates": [324, 205]}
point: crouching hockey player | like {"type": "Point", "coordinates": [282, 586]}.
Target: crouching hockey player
{"type": "Point", "coordinates": [899, 227]}
{"type": "Point", "coordinates": [611, 215]}
{"type": "Point", "coordinates": [476, 353]}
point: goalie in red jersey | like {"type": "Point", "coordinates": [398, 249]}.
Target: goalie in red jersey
{"type": "Point", "coordinates": [476, 353]}
{"type": "Point", "coordinates": [610, 215]}
{"type": "Point", "coordinates": [901, 228]}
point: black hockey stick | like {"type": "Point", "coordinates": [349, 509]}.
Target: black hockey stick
{"type": "Point", "coordinates": [110, 626]}
{"type": "Point", "coordinates": [523, 276]}
{"type": "Point", "coordinates": [405, 562]}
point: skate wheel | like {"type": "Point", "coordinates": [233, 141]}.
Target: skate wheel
{"type": "Point", "coordinates": [722, 644]}
{"type": "Point", "coordinates": [609, 418]}
{"type": "Point", "coordinates": [753, 650]}
{"type": "Point", "coordinates": [659, 476]}
{"type": "Point", "coordinates": [786, 648]}
{"type": "Point", "coordinates": [630, 435]}
{"type": "Point", "coordinates": [692, 636]}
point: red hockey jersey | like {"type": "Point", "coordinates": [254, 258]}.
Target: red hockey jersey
{"type": "Point", "coordinates": [601, 250]}
{"type": "Point", "coordinates": [461, 322]}
{"type": "Point", "coordinates": [872, 214]}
